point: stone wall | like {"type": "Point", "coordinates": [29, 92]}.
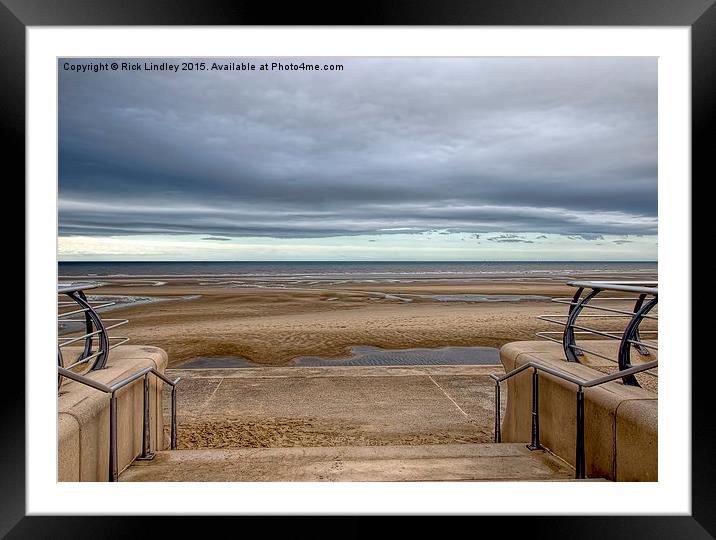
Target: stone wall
{"type": "Point", "coordinates": [83, 416]}
{"type": "Point", "coordinates": [621, 423]}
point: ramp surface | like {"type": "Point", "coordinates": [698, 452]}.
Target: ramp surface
{"type": "Point", "coordinates": [435, 462]}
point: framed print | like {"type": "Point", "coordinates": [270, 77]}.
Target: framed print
{"type": "Point", "coordinates": [401, 264]}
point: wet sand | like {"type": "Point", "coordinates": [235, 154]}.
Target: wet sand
{"type": "Point", "coordinates": [272, 326]}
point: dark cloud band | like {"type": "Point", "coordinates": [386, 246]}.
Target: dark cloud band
{"type": "Point", "coordinates": [547, 145]}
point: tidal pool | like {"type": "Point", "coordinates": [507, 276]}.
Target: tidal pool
{"type": "Point", "coordinates": [363, 355]}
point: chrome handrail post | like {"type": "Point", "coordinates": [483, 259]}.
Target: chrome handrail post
{"type": "Point", "coordinates": [147, 453]}
{"type": "Point", "coordinates": [113, 462]}
{"type": "Point", "coordinates": [498, 434]}
{"type": "Point", "coordinates": [174, 418]}
{"type": "Point", "coordinates": [535, 445]}
{"type": "Point", "coordinates": [579, 460]}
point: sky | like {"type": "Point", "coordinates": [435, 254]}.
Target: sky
{"type": "Point", "coordinates": [384, 159]}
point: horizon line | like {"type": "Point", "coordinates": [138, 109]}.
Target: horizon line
{"type": "Point", "coordinates": [376, 261]}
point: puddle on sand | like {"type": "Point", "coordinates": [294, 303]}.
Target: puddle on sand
{"type": "Point", "coordinates": [482, 297]}
{"type": "Point", "coordinates": [362, 355]}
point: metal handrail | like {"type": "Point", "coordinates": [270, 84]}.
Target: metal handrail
{"type": "Point", "coordinates": [146, 430]}
{"type": "Point", "coordinates": [647, 299]}
{"type": "Point", "coordinates": [94, 328]}
{"type": "Point", "coordinates": [579, 462]}
{"type": "Point", "coordinates": [641, 287]}
{"type": "Point", "coordinates": [602, 308]}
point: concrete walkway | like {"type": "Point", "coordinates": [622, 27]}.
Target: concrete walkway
{"type": "Point", "coordinates": [366, 423]}
{"type": "Point", "coordinates": [334, 406]}
{"type": "Point", "coordinates": [435, 462]}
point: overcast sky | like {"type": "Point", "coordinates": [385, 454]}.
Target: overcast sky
{"type": "Point", "coordinates": [469, 159]}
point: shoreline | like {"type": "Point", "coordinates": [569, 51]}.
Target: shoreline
{"type": "Point", "coordinates": [275, 326]}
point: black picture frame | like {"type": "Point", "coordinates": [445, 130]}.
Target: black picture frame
{"type": "Point", "coordinates": [699, 15]}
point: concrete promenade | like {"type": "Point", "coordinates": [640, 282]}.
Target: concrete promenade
{"type": "Point", "coordinates": [334, 406]}
{"type": "Point", "coordinates": [426, 423]}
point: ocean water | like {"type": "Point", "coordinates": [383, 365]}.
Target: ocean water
{"type": "Point", "coordinates": [347, 271]}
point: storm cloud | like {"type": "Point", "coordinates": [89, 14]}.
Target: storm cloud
{"type": "Point", "coordinates": [387, 145]}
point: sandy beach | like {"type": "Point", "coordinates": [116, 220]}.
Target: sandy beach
{"type": "Point", "coordinates": [272, 325]}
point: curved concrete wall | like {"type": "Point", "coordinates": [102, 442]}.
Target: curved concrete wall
{"type": "Point", "coordinates": [83, 416]}
{"type": "Point", "coordinates": [621, 423]}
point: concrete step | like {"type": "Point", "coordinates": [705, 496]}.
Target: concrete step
{"type": "Point", "coordinates": [433, 462]}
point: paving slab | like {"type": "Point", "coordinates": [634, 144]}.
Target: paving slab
{"type": "Point", "coordinates": [434, 462]}
{"type": "Point", "coordinates": [334, 406]}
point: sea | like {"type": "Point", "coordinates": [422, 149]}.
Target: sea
{"type": "Point", "coordinates": [371, 271]}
